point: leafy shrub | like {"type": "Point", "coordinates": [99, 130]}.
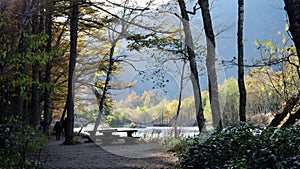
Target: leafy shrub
{"type": "Point", "coordinates": [22, 142]}
{"type": "Point", "coordinates": [245, 146]}
{"type": "Point", "coordinates": [175, 144]}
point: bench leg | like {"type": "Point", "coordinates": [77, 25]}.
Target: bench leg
{"type": "Point", "coordinates": [131, 140]}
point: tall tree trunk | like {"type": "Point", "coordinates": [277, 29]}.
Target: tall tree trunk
{"type": "Point", "coordinates": [35, 91]}
{"type": "Point", "coordinates": [72, 62]}
{"type": "Point", "coordinates": [47, 102]}
{"type": "Point", "coordinates": [241, 82]}
{"type": "Point", "coordinates": [23, 28]}
{"type": "Point", "coordinates": [193, 65]}
{"type": "Point", "coordinates": [292, 8]}
{"type": "Point", "coordinates": [105, 88]}
{"type": "Point", "coordinates": [35, 96]}
{"type": "Point", "coordinates": [210, 63]}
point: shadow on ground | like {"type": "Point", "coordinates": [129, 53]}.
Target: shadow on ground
{"type": "Point", "coordinates": [92, 156]}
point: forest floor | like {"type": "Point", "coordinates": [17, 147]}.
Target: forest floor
{"type": "Point", "coordinates": [93, 156]}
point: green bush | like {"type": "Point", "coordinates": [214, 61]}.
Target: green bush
{"type": "Point", "coordinates": [22, 142]}
{"type": "Point", "coordinates": [175, 145]}
{"type": "Point", "coordinates": [245, 146]}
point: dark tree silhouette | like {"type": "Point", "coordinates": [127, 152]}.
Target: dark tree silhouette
{"type": "Point", "coordinates": [47, 100]}
{"type": "Point", "coordinates": [241, 82]}
{"type": "Point", "coordinates": [72, 62]}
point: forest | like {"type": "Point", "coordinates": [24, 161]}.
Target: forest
{"type": "Point", "coordinates": [63, 60]}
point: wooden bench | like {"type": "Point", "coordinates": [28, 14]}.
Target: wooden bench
{"type": "Point", "coordinates": [130, 139]}
{"type": "Point", "coordinates": [129, 132]}
{"type": "Point", "coordinates": [106, 136]}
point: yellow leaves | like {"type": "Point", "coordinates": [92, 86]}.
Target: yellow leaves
{"type": "Point", "coordinates": [291, 49]}
{"type": "Point", "coordinates": [270, 93]}
{"type": "Point", "coordinates": [275, 49]}
{"type": "Point", "coordinates": [99, 74]}
{"type": "Point", "coordinates": [266, 68]}
{"type": "Point", "coordinates": [263, 88]}
{"type": "Point", "coordinates": [283, 39]}
{"type": "Point", "coordinates": [106, 46]}
{"type": "Point", "coordinates": [268, 44]}
{"type": "Point", "coordinates": [286, 27]}
{"type": "Point", "coordinates": [257, 43]}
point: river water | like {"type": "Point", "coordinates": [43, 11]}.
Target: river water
{"type": "Point", "coordinates": [151, 131]}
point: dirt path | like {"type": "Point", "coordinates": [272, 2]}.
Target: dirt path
{"type": "Point", "coordinates": [93, 156]}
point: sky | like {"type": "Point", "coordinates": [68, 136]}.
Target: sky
{"type": "Point", "coordinates": [263, 19]}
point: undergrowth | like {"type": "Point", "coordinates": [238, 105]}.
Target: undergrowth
{"type": "Point", "coordinates": [244, 146]}
{"type": "Point", "coordinates": [23, 142]}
